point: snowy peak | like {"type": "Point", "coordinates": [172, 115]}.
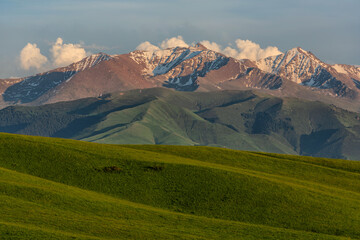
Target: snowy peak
{"type": "Point", "coordinates": [179, 67]}
{"type": "Point", "coordinates": [298, 50]}
{"type": "Point", "coordinates": [175, 58]}
{"type": "Point", "coordinates": [165, 55]}
{"type": "Point", "coordinates": [185, 69]}
{"type": "Point", "coordinates": [162, 61]}
{"type": "Point", "coordinates": [303, 67]}
{"type": "Point", "coordinates": [295, 51]}
{"type": "Point", "coordinates": [88, 62]}
{"type": "Point", "coordinates": [295, 64]}
{"type": "Point", "coordinates": [184, 56]}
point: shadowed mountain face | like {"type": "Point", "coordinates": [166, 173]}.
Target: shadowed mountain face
{"type": "Point", "coordinates": [33, 88]}
{"type": "Point", "coordinates": [296, 73]}
{"type": "Point", "coordinates": [235, 119]}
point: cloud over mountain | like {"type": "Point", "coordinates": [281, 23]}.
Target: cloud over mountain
{"type": "Point", "coordinates": [147, 46]}
{"type": "Point", "coordinates": [245, 49]}
{"type": "Point", "coordinates": [167, 43]}
{"type": "Point", "coordinates": [251, 50]}
{"type": "Point", "coordinates": [61, 55]}
{"type": "Point", "coordinates": [173, 42]}
{"type": "Point", "coordinates": [211, 45]}
{"type": "Point", "coordinates": [31, 57]}
{"type": "Point", "coordinates": [65, 54]}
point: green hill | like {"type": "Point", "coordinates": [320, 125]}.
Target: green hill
{"type": "Point", "coordinates": [64, 189]}
{"type": "Point", "coordinates": [243, 120]}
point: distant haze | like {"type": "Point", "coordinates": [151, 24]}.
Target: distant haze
{"type": "Point", "coordinates": [39, 35]}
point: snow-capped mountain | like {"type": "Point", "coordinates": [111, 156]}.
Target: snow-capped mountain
{"type": "Point", "coordinates": [306, 69]}
{"type": "Point", "coordinates": [295, 73]}
{"type": "Point", "coordinates": [181, 68]}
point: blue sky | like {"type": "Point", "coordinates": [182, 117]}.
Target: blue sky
{"type": "Point", "coordinates": [328, 28]}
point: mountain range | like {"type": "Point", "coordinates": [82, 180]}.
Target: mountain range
{"type": "Point", "coordinates": [291, 103]}
{"type": "Point", "coordinates": [295, 73]}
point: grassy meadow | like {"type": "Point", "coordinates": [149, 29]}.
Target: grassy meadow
{"type": "Point", "coordinates": [65, 189]}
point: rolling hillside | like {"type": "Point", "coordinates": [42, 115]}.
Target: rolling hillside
{"type": "Point", "coordinates": [64, 189]}
{"type": "Point", "coordinates": [244, 120]}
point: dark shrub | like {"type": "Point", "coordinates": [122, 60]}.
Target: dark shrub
{"type": "Point", "coordinates": [111, 169]}
{"type": "Point", "coordinates": [155, 168]}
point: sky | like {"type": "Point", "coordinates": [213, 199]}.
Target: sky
{"type": "Point", "coordinates": [37, 35]}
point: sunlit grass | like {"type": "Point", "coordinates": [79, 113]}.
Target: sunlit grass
{"type": "Point", "coordinates": [65, 189]}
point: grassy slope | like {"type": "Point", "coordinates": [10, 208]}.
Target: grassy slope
{"type": "Point", "coordinates": [44, 209]}
{"type": "Point", "coordinates": [55, 188]}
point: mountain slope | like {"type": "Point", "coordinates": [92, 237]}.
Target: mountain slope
{"type": "Point", "coordinates": [31, 88]}
{"type": "Point", "coordinates": [70, 189]}
{"type": "Point", "coordinates": [244, 120]}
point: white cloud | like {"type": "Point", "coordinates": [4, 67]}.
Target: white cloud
{"type": "Point", "coordinates": [253, 51]}
{"type": "Point", "coordinates": [167, 43]}
{"type": "Point", "coordinates": [245, 49]}
{"type": "Point", "coordinates": [30, 56]}
{"type": "Point", "coordinates": [147, 46]}
{"type": "Point", "coordinates": [65, 54]}
{"type": "Point", "coordinates": [211, 45]}
{"type": "Point", "coordinates": [173, 42]}
{"type": "Point", "coordinates": [230, 52]}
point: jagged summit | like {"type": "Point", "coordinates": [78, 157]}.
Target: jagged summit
{"type": "Point", "coordinates": [200, 47]}
{"type": "Point", "coordinates": [298, 50]}
{"type": "Point", "coordinates": [179, 67]}
{"type": "Point", "coordinates": [88, 62]}
{"type": "Point", "coordinates": [304, 68]}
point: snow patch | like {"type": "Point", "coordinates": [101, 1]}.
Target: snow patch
{"type": "Point", "coordinates": [90, 61]}
{"type": "Point", "coordinates": [339, 69]}
{"type": "Point", "coordinates": [34, 84]}
{"type": "Point", "coordinates": [67, 80]}
{"type": "Point", "coordinates": [310, 83]}
{"type": "Point", "coordinates": [357, 83]}
{"type": "Point", "coordinates": [193, 54]}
